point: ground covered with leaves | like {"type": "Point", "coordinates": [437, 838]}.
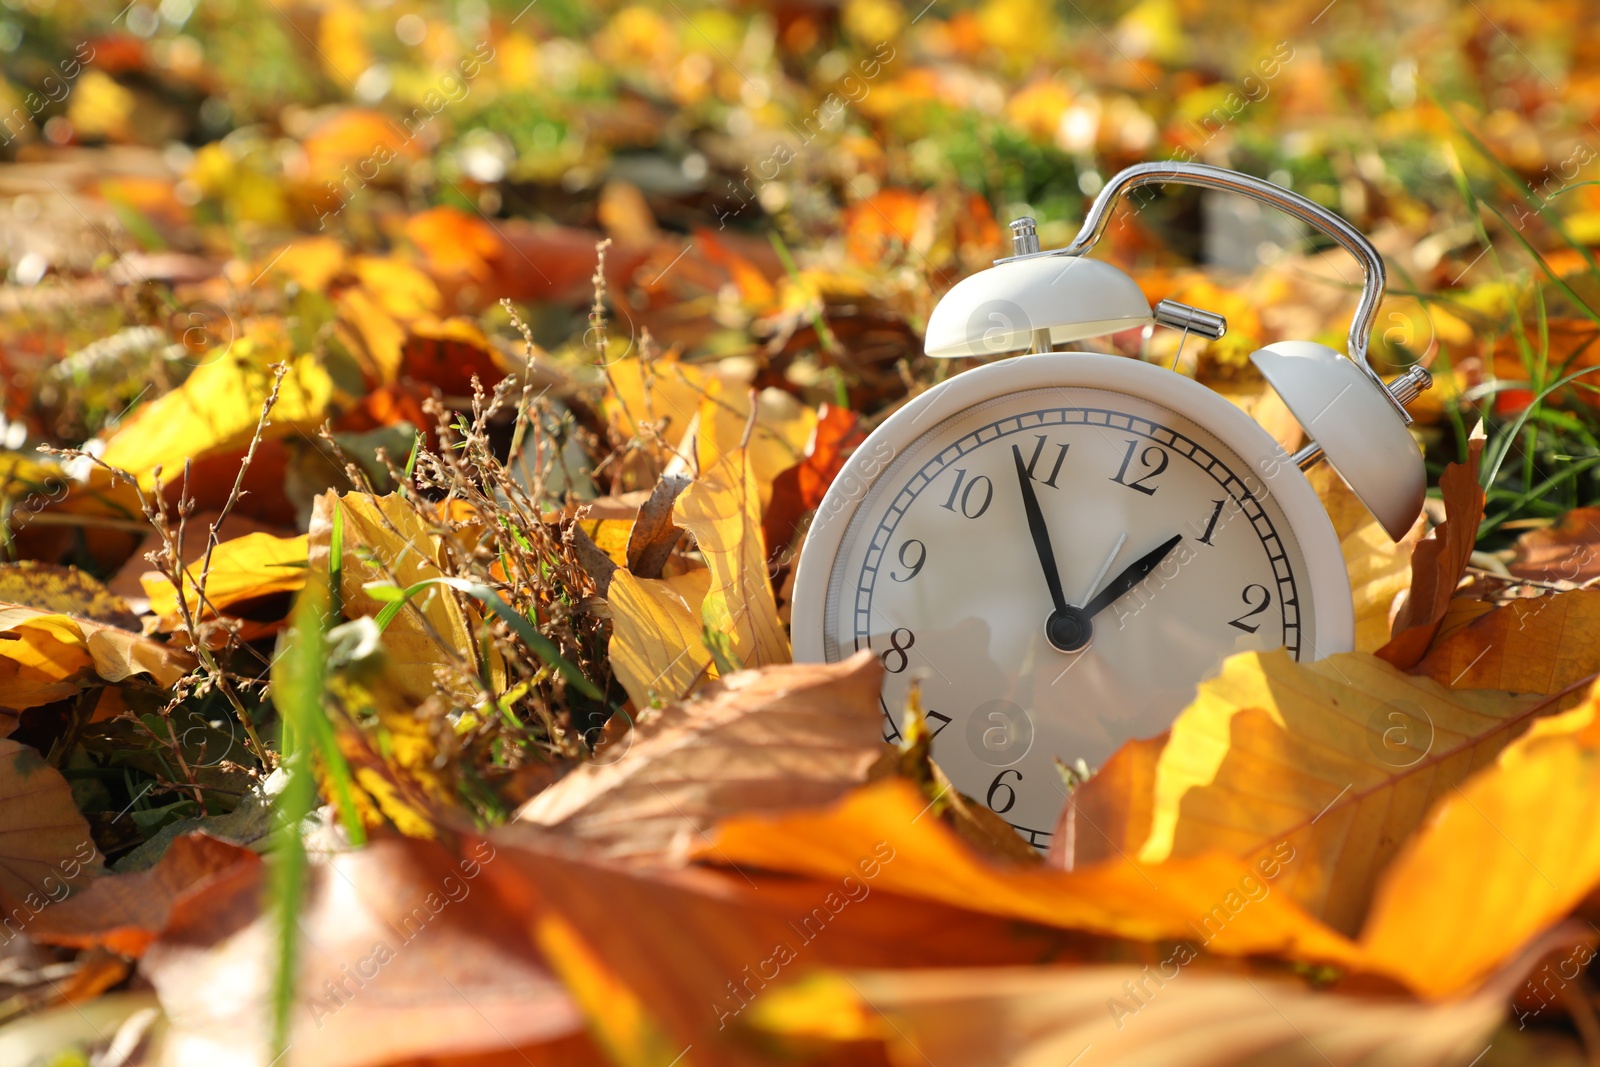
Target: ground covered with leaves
{"type": "Point", "coordinates": [412, 417]}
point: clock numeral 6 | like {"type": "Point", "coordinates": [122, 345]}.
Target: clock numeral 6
{"type": "Point", "coordinates": [966, 495]}
{"type": "Point", "coordinates": [998, 784]}
{"type": "Point", "coordinates": [897, 649]}
{"type": "Point", "coordinates": [1159, 463]}
{"type": "Point", "coordinates": [916, 568]}
{"type": "Point", "coordinates": [1255, 609]}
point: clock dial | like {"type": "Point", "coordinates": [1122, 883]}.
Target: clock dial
{"type": "Point", "coordinates": [1058, 568]}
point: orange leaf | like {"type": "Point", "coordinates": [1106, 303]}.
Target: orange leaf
{"type": "Point", "coordinates": [1539, 645]}
{"type": "Point", "coordinates": [1439, 561]}
{"type": "Point", "coordinates": [1566, 552]}
{"type": "Point", "coordinates": [1501, 857]}
{"type": "Point", "coordinates": [1108, 817]}
{"type": "Point", "coordinates": [44, 843]}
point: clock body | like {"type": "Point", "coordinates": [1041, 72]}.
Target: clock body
{"type": "Point", "coordinates": [921, 551]}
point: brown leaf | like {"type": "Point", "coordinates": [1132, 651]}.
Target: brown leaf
{"type": "Point", "coordinates": [1566, 552]}
{"type": "Point", "coordinates": [44, 843]}
{"type": "Point", "coordinates": [591, 557]}
{"type": "Point", "coordinates": [406, 953]}
{"type": "Point", "coordinates": [1108, 817]}
{"type": "Point", "coordinates": [757, 741]}
{"type": "Point", "coordinates": [1539, 645]}
{"type": "Point", "coordinates": [654, 534]}
{"type": "Point", "coordinates": [1439, 561]}
{"type": "Point", "coordinates": [125, 912]}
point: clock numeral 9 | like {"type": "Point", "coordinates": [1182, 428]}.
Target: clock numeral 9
{"type": "Point", "coordinates": [916, 568]}
{"type": "Point", "coordinates": [897, 649]}
{"type": "Point", "coordinates": [966, 495]}
{"type": "Point", "coordinates": [1255, 609]}
{"type": "Point", "coordinates": [998, 784]}
{"type": "Point", "coordinates": [1159, 463]}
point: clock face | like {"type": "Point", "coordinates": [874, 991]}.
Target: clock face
{"type": "Point", "coordinates": [1171, 552]}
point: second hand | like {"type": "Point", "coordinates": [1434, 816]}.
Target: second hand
{"type": "Point", "coordinates": [1103, 568]}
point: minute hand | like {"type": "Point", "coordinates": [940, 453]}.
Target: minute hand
{"type": "Point", "coordinates": [1136, 572]}
{"type": "Point", "coordinates": [1040, 533]}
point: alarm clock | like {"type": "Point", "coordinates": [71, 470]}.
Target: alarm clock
{"type": "Point", "coordinates": [1059, 546]}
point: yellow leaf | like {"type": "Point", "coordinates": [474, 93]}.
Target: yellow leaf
{"type": "Point", "coordinates": [722, 509]}
{"type": "Point", "coordinates": [48, 647]}
{"type": "Point", "coordinates": [1337, 760]}
{"type": "Point", "coordinates": [656, 651]}
{"type": "Point", "coordinates": [311, 262]}
{"type": "Point", "coordinates": [1380, 569]}
{"type": "Point", "coordinates": [219, 406]}
{"type": "Point", "coordinates": [399, 288]}
{"type": "Point", "coordinates": [341, 42]}
{"type": "Point", "coordinates": [389, 530]}
{"type": "Point", "coordinates": [663, 390]}
{"type": "Point", "coordinates": [244, 568]}
{"type": "Point", "coordinates": [778, 438]}
{"type": "Point", "coordinates": [1502, 856]}
{"type": "Point", "coordinates": [379, 337]}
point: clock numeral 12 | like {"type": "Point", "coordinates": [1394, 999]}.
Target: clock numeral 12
{"type": "Point", "coordinates": [1033, 461]}
{"type": "Point", "coordinates": [966, 495]}
{"type": "Point", "coordinates": [1159, 463]}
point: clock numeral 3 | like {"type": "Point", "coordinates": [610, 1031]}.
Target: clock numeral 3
{"type": "Point", "coordinates": [967, 494]}
{"type": "Point", "coordinates": [916, 568]}
{"type": "Point", "coordinates": [1033, 461]}
{"type": "Point", "coordinates": [1255, 609]}
{"type": "Point", "coordinates": [998, 784]}
{"type": "Point", "coordinates": [897, 649]}
{"type": "Point", "coordinates": [1159, 463]}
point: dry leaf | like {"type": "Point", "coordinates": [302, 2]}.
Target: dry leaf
{"type": "Point", "coordinates": [125, 912]}
{"type": "Point", "coordinates": [1540, 645]}
{"type": "Point", "coordinates": [45, 845]}
{"type": "Point", "coordinates": [387, 529]}
{"type": "Point", "coordinates": [1379, 567]}
{"type": "Point", "coordinates": [758, 741]}
{"type": "Point", "coordinates": [242, 569]}
{"type": "Point", "coordinates": [1439, 560]}
{"type": "Point", "coordinates": [1130, 1017]}
{"type": "Point", "coordinates": [65, 591]}
{"type": "Point", "coordinates": [654, 535]}
{"type": "Point", "coordinates": [1337, 761]}
{"type": "Point", "coordinates": [1108, 817]}
{"type": "Point", "coordinates": [1502, 856]}
{"type": "Point", "coordinates": [1566, 552]}
{"type": "Point", "coordinates": [722, 510]}
{"type": "Point", "coordinates": [218, 406]}
{"type": "Point", "coordinates": [1223, 902]}
{"type": "Point", "coordinates": [656, 649]}
{"type": "Point", "coordinates": [406, 954]}
{"type": "Point", "coordinates": [45, 656]}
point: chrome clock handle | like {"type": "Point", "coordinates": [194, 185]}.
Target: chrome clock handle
{"type": "Point", "coordinates": [1315, 215]}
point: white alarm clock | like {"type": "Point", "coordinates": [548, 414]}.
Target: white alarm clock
{"type": "Point", "coordinates": [1059, 546]}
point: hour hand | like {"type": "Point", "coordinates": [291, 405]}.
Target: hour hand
{"type": "Point", "coordinates": [1040, 532]}
{"type": "Point", "coordinates": [1132, 575]}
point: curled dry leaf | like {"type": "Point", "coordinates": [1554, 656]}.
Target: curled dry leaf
{"type": "Point", "coordinates": [406, 955]}
{"type": "Point", "coordinates": [1129, 1016]}
{"type": "Point", "coordinates": [1336, 761]}
{"type": "Point", "coordinates": [125, 912]}
{"type": "Point", "coordinates": [1503, 856]}
{"type": "Point", "coordinates": [758, 741]}
{"type": "Point", "coordinates": [1440, 559]}
{"type": "Point", "coordinates": [1539, 645]}
{"type": "Point", "coordinates": [654, 535]}
{"type": "Point", "coordinates": [45, 845]}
